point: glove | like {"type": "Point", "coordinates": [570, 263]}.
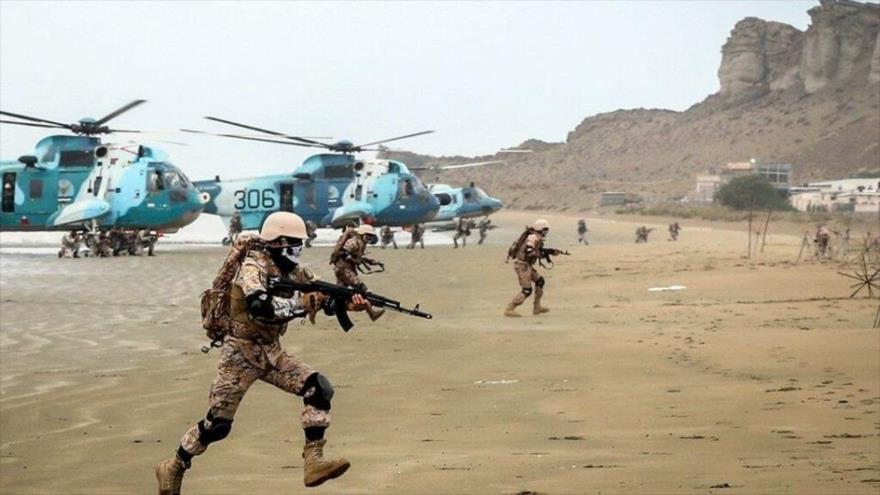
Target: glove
{"type": "Point", "coordinates": [313, 302]}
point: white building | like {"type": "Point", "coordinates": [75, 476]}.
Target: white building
{"type": "Point", "coordinates": [856, 195]}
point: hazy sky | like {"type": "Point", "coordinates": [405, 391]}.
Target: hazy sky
{"type": "Point", "coordinates": [483, 75]}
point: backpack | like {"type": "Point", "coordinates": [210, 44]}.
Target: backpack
{"type": "Point", "coordinates": [215, 301]}
{"type": "Point", "coordinates": [340, 243]}
{"type": "Point", "coordinates": [518, 244]}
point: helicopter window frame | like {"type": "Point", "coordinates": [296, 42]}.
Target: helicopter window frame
{"type": "Point", "coordinates": [338, 171]}
{"type": "Point", "coordinates": [405, 188]}
{"type": "Point", "coordinates": [35, 189]}
{"type": "Point", "coordinates": [75, 158]}
{"type": "Point", "coordinates": [155, 181]}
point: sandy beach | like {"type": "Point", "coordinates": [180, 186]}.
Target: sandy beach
{"type": "Point", "coordinates": [759, 376]}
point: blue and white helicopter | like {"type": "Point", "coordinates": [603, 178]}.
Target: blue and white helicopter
{"type": "Point", "coordinates": [81, 183]}
{"type": "Point", "coordinates": [329, 189]}
{"type": "Point", "coordinates": [461, 202]}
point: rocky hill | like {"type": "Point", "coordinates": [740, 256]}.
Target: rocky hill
{"type": "Point", "coordinates": [809, 98]}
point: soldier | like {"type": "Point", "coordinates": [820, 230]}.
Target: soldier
{"type": "Point", "coordinates": [70, 244]}
{"type": "Point", "coordinates": [252, 351]}
{"type": "Point", "coordinates": [582, 231]}
{"type": "Point", "coordinates": [388, 237]}
{"type": "Point", "coordinates": [418, 236]}
{"type": "Point", "coordinates": [103, 247]}
{"type": "Point", "coordinates": [311, 231]}
{"type": "Point", "coordinates": [234, 227]}
{"type": "Point", "coordinates": [823, 237]}
{"type": "Point", "coordinates": [349, 255]}
{"type": "Point", "coordinates": [642, 234]}
{"type": "Point", "coordinates": [525, 253]}
{"type": "Point", "coordinates": [462, 231]}
{"type": "Point", "coordinates": [674, 229]}
{"type": "Point", "coordinates": [484, 229]}
{"type": "Point", "coordinates": [146, 240]}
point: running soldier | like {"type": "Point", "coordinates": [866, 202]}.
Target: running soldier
{"type": "Point", "coordinates": [642, 234]}
{"type": "Point", "coordinates": [312, 231]}
{"type": "Point", "coordinates": [234, 228]}
{"type": "Point", "coordinates": [388, 237]}
{"type": "Point", "coordinates": [349, 255]}
{"type": "Point", "coordinates": [483, 229]}
{"type": "Point", "coordinates": [252, 351]}
{"type": "Point", "coordinates": [526, 251]}
{"type": "Point", "coordinates": [823, 237]}
{"type": "Point", "coordinates": [70, 244]}
{"type": "Point", "coordinates": [582, 232]}
{"type": "Point", "coordinates": [418, 236]}
{"type": "Point", "coordinates": [674, 229]}
{"type": "Point", "coordinates": [462, 231]}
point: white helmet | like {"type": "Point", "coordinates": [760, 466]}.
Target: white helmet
{"type": "Point", "coordinates": [541, 224]}
{"type": "Point", "coordinates": [365, 229]}
{"type": "Point", "coordinates": [283, 224]}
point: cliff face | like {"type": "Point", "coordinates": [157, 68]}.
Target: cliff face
{"type": "Point", "coordinates": [808, 98]}
{"type": "Point", "coordinates": [842, 43]}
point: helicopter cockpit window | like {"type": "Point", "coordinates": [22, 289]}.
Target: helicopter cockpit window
{"type": "Point", "coordinates": [75, 158]}
{"type": "Point", "coordinates": [338, 172]}
{"type": "Point", "coordinates": [174, 180]}
{"type": "Point", "coordinates": [406, 188]}
{"type": "Point", "coordinates": [470, 197]}
{"type": "Point", "coordinates": [155, 182]}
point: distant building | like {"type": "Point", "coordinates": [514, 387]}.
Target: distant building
{"type": "Point", "coordinates": [855, 195]}
{"type": "Point", "coordinates": [612, 198]}
{"type": "Point", "coordinates": [777, 174]}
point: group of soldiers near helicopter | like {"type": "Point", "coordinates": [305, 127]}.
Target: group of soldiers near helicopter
{"type": "Point", "coordinates": [112, 242]}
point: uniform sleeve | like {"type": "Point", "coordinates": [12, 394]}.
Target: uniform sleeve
{"type": "Point", "coordinates": [251, 278]}
{"type": "Point", "coordinates": [352, 247]}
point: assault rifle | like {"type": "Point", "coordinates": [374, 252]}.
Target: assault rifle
{"type": "Point", "coordinates": [341, 296]}
{"type": "Point", "coordinates": [546, 256]}
{"type": "Point", "coordinates": [366, 266]}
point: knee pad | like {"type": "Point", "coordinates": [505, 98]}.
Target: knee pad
{"type": "Point", "coordinates": [539, 282]}
{"type": "Point", "coordinates": [527, 291]}
{"type": "Point", "coordinates": [213, 429]}
{"type": "Point", "coordinates": [323, 392]}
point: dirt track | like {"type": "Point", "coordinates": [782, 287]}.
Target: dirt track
{"type": "Point", "coordinates": [760, 375]}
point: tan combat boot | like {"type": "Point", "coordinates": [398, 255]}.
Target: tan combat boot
{"type": "Point", "coordinates": [169, 473]}
{"type": "Point", "coordinates": [511, 311]}
{"type": "Point", "coordinates": [538, 309]}
{"type": "Point", "coordinates": [316, 469]}
{"type": "Point", "coordinates": [375, 313]}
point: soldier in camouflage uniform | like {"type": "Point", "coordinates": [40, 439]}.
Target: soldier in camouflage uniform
{"type": "Point", "coordinates": [674, 230]}
{"type": "Point", "coordinates": [462, 231]}
{"type": "Point", "coordinates": [484, 229]}
{"type": "Point", "coordinates": [823, 238]}
{"type": "Point", "coordinates": [388, 237]}
{"type": "Point", "coordinates": [311, 231]}
{"type": "Point", "coordinates": [146, 241]}
{"type": "Point", "coordinates": [417, 236]}
{"type": "Point", "coordinates": [524, 267]}
{"type": "Point", "coordinates": [252, 351]}
{"type": "Point", "coordinates": [350, 256]}
{"type": "Point", "coordinates": [234, 227]}
{"type": "Point", "coordinates": [70, 244]}
{"type": "Point", "coordinates": [582, 232]}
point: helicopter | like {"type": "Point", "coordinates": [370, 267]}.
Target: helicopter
{"type": "Point", "coordinates": [461, 202]}
{"type": "Point", "coordinates": [330, 189]}
{"type": "Point", "coordinates": [81, 183]}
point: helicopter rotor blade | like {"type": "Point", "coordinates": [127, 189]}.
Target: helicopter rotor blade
{"type": "Point", "coordinates": [266, 131]}
{"type": "Point", "coordinates": [393, 139]}
{"type": "Point", "coordinates": [34, 119]}
{"type": "Point", "coordinates": [467, 165]}
{"type": "Point", "coordinates": [32, 124]}
{"type": "Point", "coordinates": [247, 138]}
{"type": "Point", "coordinates": [112, 115]}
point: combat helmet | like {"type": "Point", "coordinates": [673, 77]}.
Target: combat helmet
{"type": "Point", "coordinates": [283, 224]}
{"type": "Point", "coordinates": [541, 224]}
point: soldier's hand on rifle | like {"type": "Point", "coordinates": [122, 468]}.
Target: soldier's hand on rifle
{"type": "Point", "coordinates": [359, 303]}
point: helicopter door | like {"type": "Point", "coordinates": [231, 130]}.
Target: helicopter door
{"type": "Point", "coordinates": [8, 192]}
{"type": "Point", "coordinates": [286, 191]}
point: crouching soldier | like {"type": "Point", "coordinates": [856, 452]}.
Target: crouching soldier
{"type": "Point", "coordinates": [251, 350]}
{"type": "Point", "coordinates": [526, 251]}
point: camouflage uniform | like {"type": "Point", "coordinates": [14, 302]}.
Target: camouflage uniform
{"type": "Point", "coordinates": [527, 274]}
{"type": "Point", "coordinates": [311, 227]}
{"type": "Point", "coordinates": [484, 229]}
{"type": "Point", "coordinates": [145, 241]}
{"type": "Point", "coordinates": [388, 237]}
{"type": "Point", "coordinates": [674, 229]}
{"type": "Point", "coordinates": [418, 234]}
{"type": "Point", "coordinates": [823, 237]}
{"type": "Point", "coordinates": [462, 231]}
{"type": "Point", "coordinates": [345, 268]}
{"type": "Point", "coordinates": [582, 232]}
{"type": "Point", "coordinates": [253, 352]}
{"type": "Point", "coordinates": [70, 244]}
{"type": "Point", "coordinates": [234, 227]}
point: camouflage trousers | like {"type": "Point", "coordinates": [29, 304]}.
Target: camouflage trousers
{"type": "Point", "coordinates": [242, 362]}
{"type": "Point", "coordinates": [346, 275]}
{"type": "Point", "coordinates": [526, 276]}
{"type": "Point", "coordinates": [460, 235]}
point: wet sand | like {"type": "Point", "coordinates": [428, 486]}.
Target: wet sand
{"type": "Point", "coordinates": [760, 377]}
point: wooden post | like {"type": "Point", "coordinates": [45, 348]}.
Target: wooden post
{"type": "Point", "coordinates": [766, 224]}
{"type": "Point", "coordinates": [750, 233]}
